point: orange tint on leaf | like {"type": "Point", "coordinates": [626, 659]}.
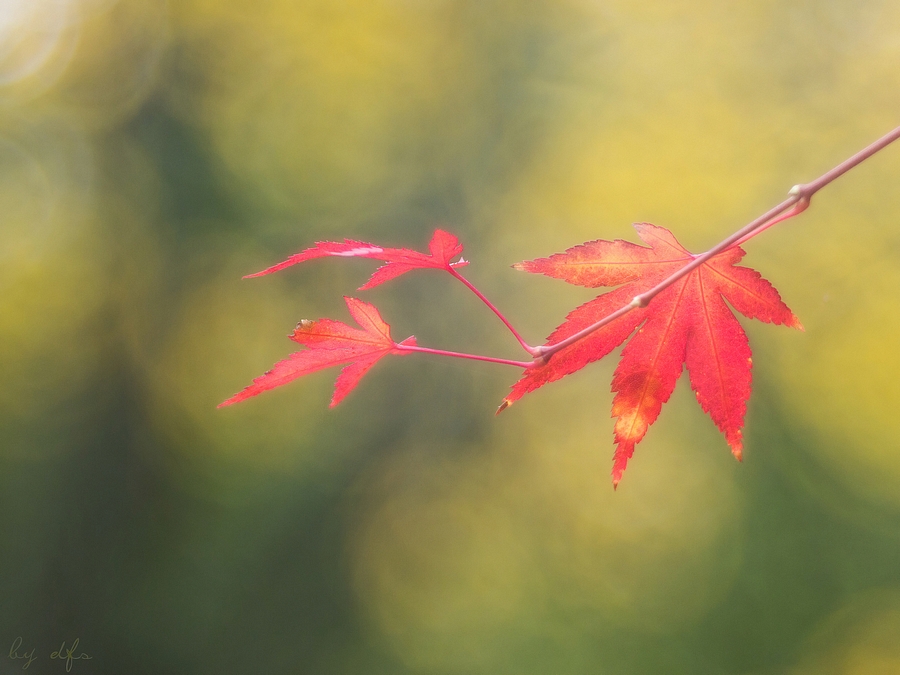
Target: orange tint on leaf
{"type": "Point", "coordinates": [687, 323]}
{"type": "Point", "coordinates": [443, 247]}
{"type": "Point", "coordinates": [330, 343]}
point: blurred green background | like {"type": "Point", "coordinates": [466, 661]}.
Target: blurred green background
{"type": "Point", "coordinates": [152, 152]}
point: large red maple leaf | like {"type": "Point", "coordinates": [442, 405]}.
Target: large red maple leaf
{"type": "Point", "coordinates": [687, 323]}
{"type": "Point", "coordinates": [331, 343]}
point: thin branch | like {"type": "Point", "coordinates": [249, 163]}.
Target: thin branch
{"type": "Point", "coordinates": [812, 188]}
{"type": "Point", "coordinates": [797, 202]}
{"type": "Point", "coordinates": [534, 351]}
{"type": "Point", "coordinates": [798, 208]}
{"type": "Point", "coordinates": [460, 355]}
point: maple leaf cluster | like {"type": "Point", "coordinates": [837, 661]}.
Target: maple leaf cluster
{"type": "Point", "coordinates": [687, 323]}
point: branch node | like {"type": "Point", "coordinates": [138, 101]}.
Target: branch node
{"type": "Point", "coordinates": [804, 192]}
{"type": "Point", "coordinates": [638, 302]}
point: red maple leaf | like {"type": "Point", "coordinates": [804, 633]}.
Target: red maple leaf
{"type": "Point", "coordinates": [443, 248]}
{"type": "Point", "coordinates": [687, 323]}
{"type": "Point", "coordinates": [331, 343]}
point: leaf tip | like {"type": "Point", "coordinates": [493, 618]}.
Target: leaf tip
{"type": "Point", "coordinates": [303, 325]}
{"type": "Point", "coordinates": [503, 406]}
{"type": "Point", "coordinates": [369, 284]}
{"type": "Point", "coordinates": [620, 461]}
{"type": "Point", "coordinates": [237, 398]}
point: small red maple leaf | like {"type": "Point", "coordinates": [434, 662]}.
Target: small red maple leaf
{"type": "Point", "coordinates": [443, 248]}
{"type": "Point", "coordinates": [331, 343]}
{"type": "Point", "coordinates": [687, 323]}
